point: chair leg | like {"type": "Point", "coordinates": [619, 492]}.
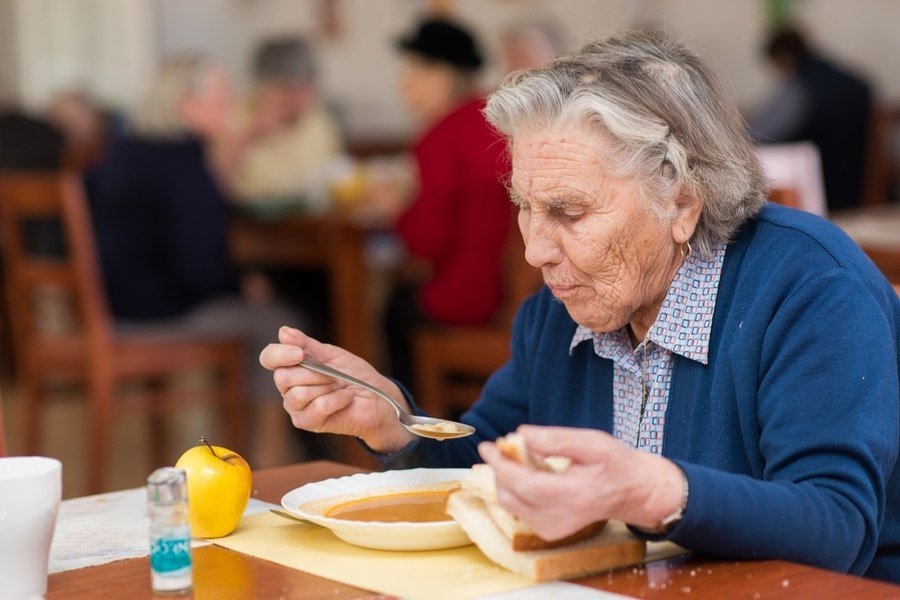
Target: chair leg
{"type": "Point", "coordinates": [234, 409]}
{"type": "Point", "coordinates": [101, 390]}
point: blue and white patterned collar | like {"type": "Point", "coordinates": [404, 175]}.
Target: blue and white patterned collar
{"type": "Point", "coordinates": [684, 322]}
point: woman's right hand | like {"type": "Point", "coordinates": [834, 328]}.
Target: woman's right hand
{"type": "Point", "coordinates": [322, 404]}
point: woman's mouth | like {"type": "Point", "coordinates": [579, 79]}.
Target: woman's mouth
{"type": "Point", "coordinates": [561, 292]}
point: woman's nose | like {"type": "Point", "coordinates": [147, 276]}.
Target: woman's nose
{"type": "Point", "coordinates": [541, 248]}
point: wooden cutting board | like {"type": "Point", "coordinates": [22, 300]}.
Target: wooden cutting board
{"type": "Point", "coordinates": [615, 546]}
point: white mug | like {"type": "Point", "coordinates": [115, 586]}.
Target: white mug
{"type": "Point", "coordinates": [30, 492]}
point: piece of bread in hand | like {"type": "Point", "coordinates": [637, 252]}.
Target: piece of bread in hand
{"type": "Point", "coordinates": [615, 546]}
{"type": "Point", "coordinates": [482, 484]}
{"type": "Point", "coordinates": [510, 542]}
{"type": "Point", "coordinates": [512, 446]}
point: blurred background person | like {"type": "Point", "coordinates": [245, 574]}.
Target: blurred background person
{"type": "Point", "coordinates": [86, 125]}
{"type": "Point", "coordinates": [161, 222]}
{"type": "Point", "coordinates": [286, 135]}
{"type": "Point", "coordinates": [455, 226]}
{"type": "Point", "coordinates": [530, 44]}
{"type": "Point", "coordinates": [283, 142]}
{"type": "Point", "coordinates": [821, 102]}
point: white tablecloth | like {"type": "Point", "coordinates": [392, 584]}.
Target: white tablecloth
{"type": "Point", "coordinates": [94, 530]}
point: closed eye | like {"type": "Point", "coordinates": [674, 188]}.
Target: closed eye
{"type": "Point", "coordinates": [561, 210]}
{"type": "Point", "coordinates": [566, 212]}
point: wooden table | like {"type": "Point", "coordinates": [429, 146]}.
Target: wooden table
{"type": "Point", "coordinates": [877, 230]}
{"type": "Point", "coordinates": [330, 242]}
{"type": "Point", "coordinates": [224, 574]}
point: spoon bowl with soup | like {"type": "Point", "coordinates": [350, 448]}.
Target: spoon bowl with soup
{"type": "Point", "coordinates": [429, 427]}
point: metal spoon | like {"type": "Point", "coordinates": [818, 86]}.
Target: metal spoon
{"type": "Point", "coordinates": [287, 515]}
{"type": "Point", "coordinates": [429, 427]}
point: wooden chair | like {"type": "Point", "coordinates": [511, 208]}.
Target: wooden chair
{"type": "Point", "coordinates": [452, 363]}
{"type": "Point", "coordinates": [786, 197]}
{"type": "Point", "coordinates": [887, 260]}
{"type": "Point", "coordinates": [86, 348]}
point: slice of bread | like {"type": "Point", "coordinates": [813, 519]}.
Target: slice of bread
{"type": "Point", "coordinates": [481, 483]}
{"type": "Point", "coordinates": [612, 547]}
{"type": "Point", "coordinates": [510, 542]}
{"type": "Point", "coordinates": [512, 446]}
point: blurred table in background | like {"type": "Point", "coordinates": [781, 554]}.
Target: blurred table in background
{"type": "Point", "coordinates": [337, 245]}
{"type": "Point", "coordinates": [877, 230]}
{"type": "Point", "coordinates": [340, 227]}
{"type": "Point", "coordinates": [329, 242]}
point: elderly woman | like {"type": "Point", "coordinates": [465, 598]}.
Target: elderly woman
{"type": "Point", "coordinates": [722, 372]}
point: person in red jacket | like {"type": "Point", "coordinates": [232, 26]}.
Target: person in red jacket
{"type": "Point", "coordinates": [456, 226]}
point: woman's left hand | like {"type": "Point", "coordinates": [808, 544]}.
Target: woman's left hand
{"type": "Point", "coordinates": [605, 480]}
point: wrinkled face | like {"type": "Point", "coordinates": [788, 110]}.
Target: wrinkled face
{"type": "Point", "coordinates": [602, 253]}
{"type": "Point", "coordinates": [283, 103]}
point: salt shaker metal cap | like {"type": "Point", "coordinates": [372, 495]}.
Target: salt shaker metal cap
{"type": "Point", "coordinates": [167, 485]}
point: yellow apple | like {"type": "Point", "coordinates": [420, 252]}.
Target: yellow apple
{"type": "Point", "coordinates": [219, 483]}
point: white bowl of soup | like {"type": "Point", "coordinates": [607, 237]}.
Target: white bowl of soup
{"type": "Point", "coordinates": [393, 510]}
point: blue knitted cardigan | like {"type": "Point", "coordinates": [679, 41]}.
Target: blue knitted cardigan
{"type": "Point", "coordinates": [788, 437]}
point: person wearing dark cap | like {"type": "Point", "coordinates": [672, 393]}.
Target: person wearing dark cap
{"type": "Point", "coordinates": [455, 227]}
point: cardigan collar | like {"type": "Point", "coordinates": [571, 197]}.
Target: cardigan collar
{"type": "Point", "coordinates": [684, 322]}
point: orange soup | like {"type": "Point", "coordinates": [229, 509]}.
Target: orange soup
{"type": "Point", "coordinates": [414, 507]}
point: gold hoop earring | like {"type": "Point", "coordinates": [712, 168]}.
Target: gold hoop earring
{"type": "Point", "coordinates": [690, 250]}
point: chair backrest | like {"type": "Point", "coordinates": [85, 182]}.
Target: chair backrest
{"type": "Point", "coordinates": [55, 298]}
{"type": "Point", "coordinates": [887, 260]}
{"type": "Point", "coordinates": [785, 197]}
{"type": "Point", "coordinates": [520, 279]}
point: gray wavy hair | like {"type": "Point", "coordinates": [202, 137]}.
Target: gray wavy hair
{"type": "Point", "coordinates": [670, 123]}
{"type": "Point", "coordinates": [285, 60]}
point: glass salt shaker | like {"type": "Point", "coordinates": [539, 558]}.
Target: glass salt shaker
{"type": "Point", "coordinates": [170, 532]}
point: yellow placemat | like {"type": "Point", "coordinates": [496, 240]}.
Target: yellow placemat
{"type": "Point", "coordinates": [449, 574]}
{"type": "Point", "coordinates": [436, 574]}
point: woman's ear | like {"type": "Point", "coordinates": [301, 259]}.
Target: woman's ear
{"type": "Point", "coordinates": [687, 215]}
